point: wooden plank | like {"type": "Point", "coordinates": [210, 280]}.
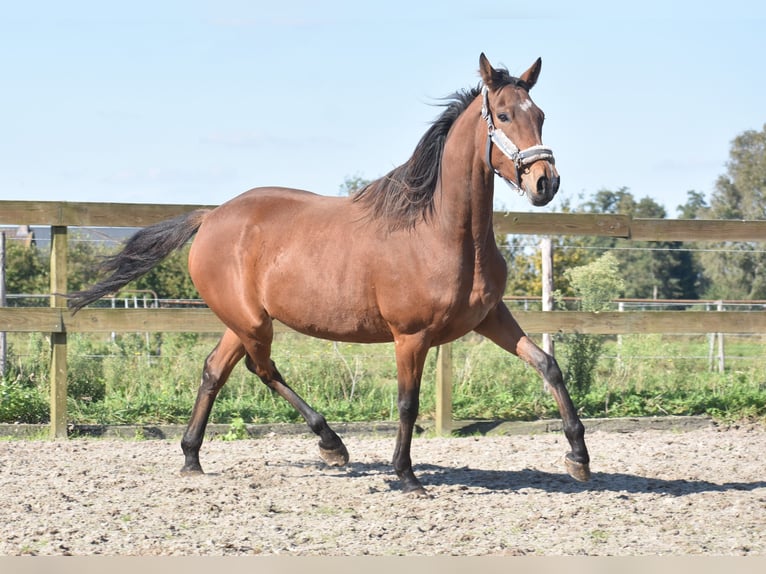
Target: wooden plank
{"type": "Point", "coordinates": [622, 226]}
{"type": "Point", "coordinates": [128, 214]}
{"type": "Point", "coordinates": [144, 320]}
{"type": "Point", "coordinates": [697, 230]}
{"type": "Point", "coordinates": [35, 319]}
{"type": "Point", "coordinates": [28, 212]}
{"type": "Point", "coordinates": [562, 224]}
{"type": "Point", "coordinates": [31, 320]}
{"type": "Point", "coordinates": [147, 320]}
{"type": "Point", "coordinates": [531, 223]}
{"type": "Point", "coordinates": [632, 322]}
{"type": "Point", "coordinates": [40, 319]}
{"type": "Point", "coordinates": [89, 214]}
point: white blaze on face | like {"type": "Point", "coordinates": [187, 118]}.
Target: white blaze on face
{"type": "Point", "coordinates": [525, 105]}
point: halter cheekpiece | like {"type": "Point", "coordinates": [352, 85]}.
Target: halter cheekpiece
{"type": "Point", "coordinates": [520, 158]}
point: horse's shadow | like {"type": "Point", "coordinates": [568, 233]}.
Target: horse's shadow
{"type": "Point", "coordinates": [511, 480]}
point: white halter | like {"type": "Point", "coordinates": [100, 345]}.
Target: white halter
{"type": "Point", "coordinates": [520, 158]}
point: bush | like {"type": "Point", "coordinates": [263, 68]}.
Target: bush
{"type": "Point", "coordinates": [22, 403]}
{"type": "Point", "coordinates": [597, 285]}
{"type": "Point", "coordinates": [85, 370]}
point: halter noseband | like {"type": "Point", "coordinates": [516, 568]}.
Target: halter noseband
{"type": "Point", "coordinates": [520, 158]}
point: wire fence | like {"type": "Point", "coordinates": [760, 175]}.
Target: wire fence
{"type": "Point", "coordinates": [713, 349]}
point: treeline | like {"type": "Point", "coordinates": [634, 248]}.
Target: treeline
{"type": "Point", "coordinates": [667, 269]}
{"type": "Point", "coordinates": [661, 269]}
{"type": "Point", "coordinates": [28, 273]}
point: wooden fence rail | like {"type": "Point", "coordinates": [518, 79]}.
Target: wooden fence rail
{"type": "Point", "coordinates": [58, 321]}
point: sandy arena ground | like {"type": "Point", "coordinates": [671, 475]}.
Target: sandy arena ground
{"type": "Point", "coordinates": [701, 491]}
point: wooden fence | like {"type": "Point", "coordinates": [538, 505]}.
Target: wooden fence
{"type": "Point", "coordinates": [58, 321]}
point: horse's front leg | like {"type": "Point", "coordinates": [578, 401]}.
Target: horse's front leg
{"type": "Point", "coordinates": [500, 327]}
{"type": "Point", "coordinates": [411, 354]}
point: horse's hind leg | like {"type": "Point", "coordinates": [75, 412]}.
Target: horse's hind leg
{"type": "Point", "coordinates": [216, 371]}
{"type": "Point", "coordinates": [331, 447]}
{"type": "Point", "coordinates": [500, 327]}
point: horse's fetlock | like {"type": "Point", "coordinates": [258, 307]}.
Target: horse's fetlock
{"type": "Point", "coordinates": [574, 431]}
{"type": "Point", "coordinates": [317, 423]}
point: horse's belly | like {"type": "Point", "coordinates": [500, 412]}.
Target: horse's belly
{"type": "Point", "coordinates": [337, 325]}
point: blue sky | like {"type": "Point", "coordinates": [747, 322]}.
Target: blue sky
{"type": "Point", "coordinates": [197, 101]}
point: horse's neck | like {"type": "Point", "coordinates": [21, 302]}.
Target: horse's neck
{"type": "Point", "coordinates": [466, 195]}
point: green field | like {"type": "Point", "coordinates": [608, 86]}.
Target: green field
{"type": "Point", "coordinates": [140, 379]}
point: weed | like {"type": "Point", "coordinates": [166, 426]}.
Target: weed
{"type": "Point", "coordinates": [237, 430]}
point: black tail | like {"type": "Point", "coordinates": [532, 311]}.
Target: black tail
{"type": "Point", "coordinates": [143, 251]}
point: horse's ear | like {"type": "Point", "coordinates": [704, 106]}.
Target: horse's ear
{"type": "Point", "coordinates": [486, 71]}
{"type": "Point", "coordinates": [530, 76]}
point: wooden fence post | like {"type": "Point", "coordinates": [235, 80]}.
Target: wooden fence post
{"type": "Point", "coordinates": [3, 344]}
{"type": "Point", "coordinates": [546, 248]}
{"type": "Point", "coordinates": [621, 309]}
{"type": "Point", "coordinates": [58, 369]}
{"type": "Point", "coordinates": [721, 354]}
{"type": "Point", "coordinates": [444, 390]}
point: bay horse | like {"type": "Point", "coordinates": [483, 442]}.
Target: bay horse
{"type": "Point", "coordinates": [410, 259]}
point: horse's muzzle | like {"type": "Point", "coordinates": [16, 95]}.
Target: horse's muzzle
{"type": "Point", "coordinates": [544, 188]}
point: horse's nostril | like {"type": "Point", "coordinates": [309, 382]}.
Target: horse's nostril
{"type": "Point", "coordinates": [546, 185]}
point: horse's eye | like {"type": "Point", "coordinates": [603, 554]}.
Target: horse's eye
{"type": "Point", "coordinates": [503, 117]}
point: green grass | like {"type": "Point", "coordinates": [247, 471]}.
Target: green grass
{"type": "Point", "coordinates": [139, 379]}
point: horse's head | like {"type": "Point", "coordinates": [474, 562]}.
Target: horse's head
{"type": "Point", "coordinates": [514, 137]}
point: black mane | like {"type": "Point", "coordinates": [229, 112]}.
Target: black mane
{"type": "Point", "coordinates": [405, 195]}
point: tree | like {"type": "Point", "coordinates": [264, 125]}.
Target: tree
{"type": "Point", "coordinates": [522, 256]}
{"type": "Point", "coordinates": [83, 258]}
{"type": "Point", "coordinates": [695, 205]}
{"type": "Point", "coordinates": [650, 269]}
{"type": "Point", "coordinates": [353, 183]}
{"type": "Point", "coordinates": [741, 192]}
{"type": "Point", "coordinates": [737, 270]}
{"type": "Point", "coordinates": [26, 269]}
